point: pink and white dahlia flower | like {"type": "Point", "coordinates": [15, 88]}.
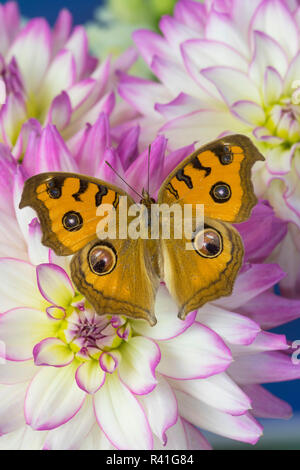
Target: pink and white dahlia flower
{"type": "Point", "coordinates": [73, 380]}
{"type": "Point", "coordinates": [50, 76]}
{"type": "Point", "coordinates": [227, 67]}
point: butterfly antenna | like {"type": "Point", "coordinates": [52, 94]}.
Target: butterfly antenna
{"type": "Point", "coordinates": [149, 154]}
{"type": "Point", "coordinates": [127, 184]}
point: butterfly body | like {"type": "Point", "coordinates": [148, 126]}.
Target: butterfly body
{"type": "Point", "coordinates": [120, 275]}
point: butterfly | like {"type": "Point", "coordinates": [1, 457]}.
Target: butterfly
{"type": "Point", "coordinates": [121, 276]}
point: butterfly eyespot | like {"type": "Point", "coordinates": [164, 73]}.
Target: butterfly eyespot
{"type": "Point", "coordinates": [54, 193]}
{"type": "Point", "coordinates": [220, 192]}
{"type": "Point", "coordinates": [72, 221]}
{"type": "Point", "coordinates": [102, 259]}
{"type": "Point", "coordinates": [208, 243]}
{"type": "Point", "coordinates": [227, 156]}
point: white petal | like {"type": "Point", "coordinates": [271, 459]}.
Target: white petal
{"type": "Point", "coordinates": [21, 276]}
{"type": "Point", "coordinates": [161, 408]}
{"type": "Point", "coordinates": [89, 376]}
{"type": "Point", "coordinates": [121, 417]}
{"type": "Point", "coordinates": [21, 329]}
{"type": "Point", "coordinates": [78, 45]}
{"type": "Point", "coordinates": [267, 53]}
{"type": "Point", "coordinates": [60, 76]}
{"type": "Point", "coordinates": [96, 440]}
{"type": "Point", "coordinates": [234, 328]}
{"type": "Point", "coordinates": [53, 398]}
{"type": "Point", "coordinates": [195, 440]}
{"type": "Point", "coordinates": [249, 112]}
{"type": "Point", "coordinates": [176, 438]}
{"type": "Point", "coordinates": [198, 352]}
{"type": "Point", "coordinates": [70, 435]}
{"type": "Point", "coordinates": [25, 438]}
{"type": "Point", "coordinates": [218, 391]}
{"type": "Point", "coordinates": [140, 357]}
{"type": "Point", "coordinates": [274, 18]}
{"type": "Point", "coordinates": [241, 428]}
{"type": "Point", "coordinates": [38, 253]}
{"type": "Point", "coordinates": [168, 324]}
{"type": "Point", "coordinates": [219, 27]}
{"type": "Point", "coordinates": [32, 49]}
{"type": "Point", "coordinates": [55, 285]}
{"type": "Point", "coordinates": [232, 84]}
{"type": "Point", "coordinates": [16, 372]}
{"type": "Point", "coordinates": [273, 86]}
{"type": "Point", "coordinates": [52, 352]}
{"type": "Point", "coordinates": [12, 407]}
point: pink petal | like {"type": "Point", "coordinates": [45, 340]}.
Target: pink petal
{"type": "Point", "coordinates": [264, 226]}
{"type": "Point", "coordinates": [128, 146]}
{"type": "Point", "coordinates": [53, 154]}
{"type": "Point", "coordinates": [61, 30]}
{"type": "Point", "coordinates": [54, 284]}
{"type": "Point", "coordinates": [134, 172]}
{"type": "Point", "coordinates": [7, 173]}
{"type": "Point", "coordinates": [264, 368]}
{"type": "Point", "coordinates": [190, 13]}
{"type": "Point", "coordinates": [60, 111]}
{"type": "Point", "coordinates": [264, 341]}
{"type": "Point", "coordinates": [97, 139]}
{"type": "Point", "coordinates": [254, 280]}
{"type": "Point", "coordinates": [78, 45]}
{"type": "Point", "coordinates": [53, 398]}
{"type": "Point", "coordinates": [121, 417]}
{"type": "Point", "coordinates": [270, 310]}
{"type": "Point", "coordinates": [197, 353]}
{"type": "Point", "coordinates": [267, 405]}
{"type": "Point", "coordinates": [176, 33]}
{"type": "Point", "coordinates": [150, 44]}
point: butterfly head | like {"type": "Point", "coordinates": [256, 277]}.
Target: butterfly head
{"type": "Point", "coordinates": [147, 200]}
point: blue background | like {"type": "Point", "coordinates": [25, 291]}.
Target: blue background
{"type": "Point", "coordinates": [82, 12]}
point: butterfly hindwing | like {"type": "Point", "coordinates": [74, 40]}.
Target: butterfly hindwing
{"type": "Point", "coordinates": [203, 268]}
{"type": "Point", "coordinates": [129, 285]}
